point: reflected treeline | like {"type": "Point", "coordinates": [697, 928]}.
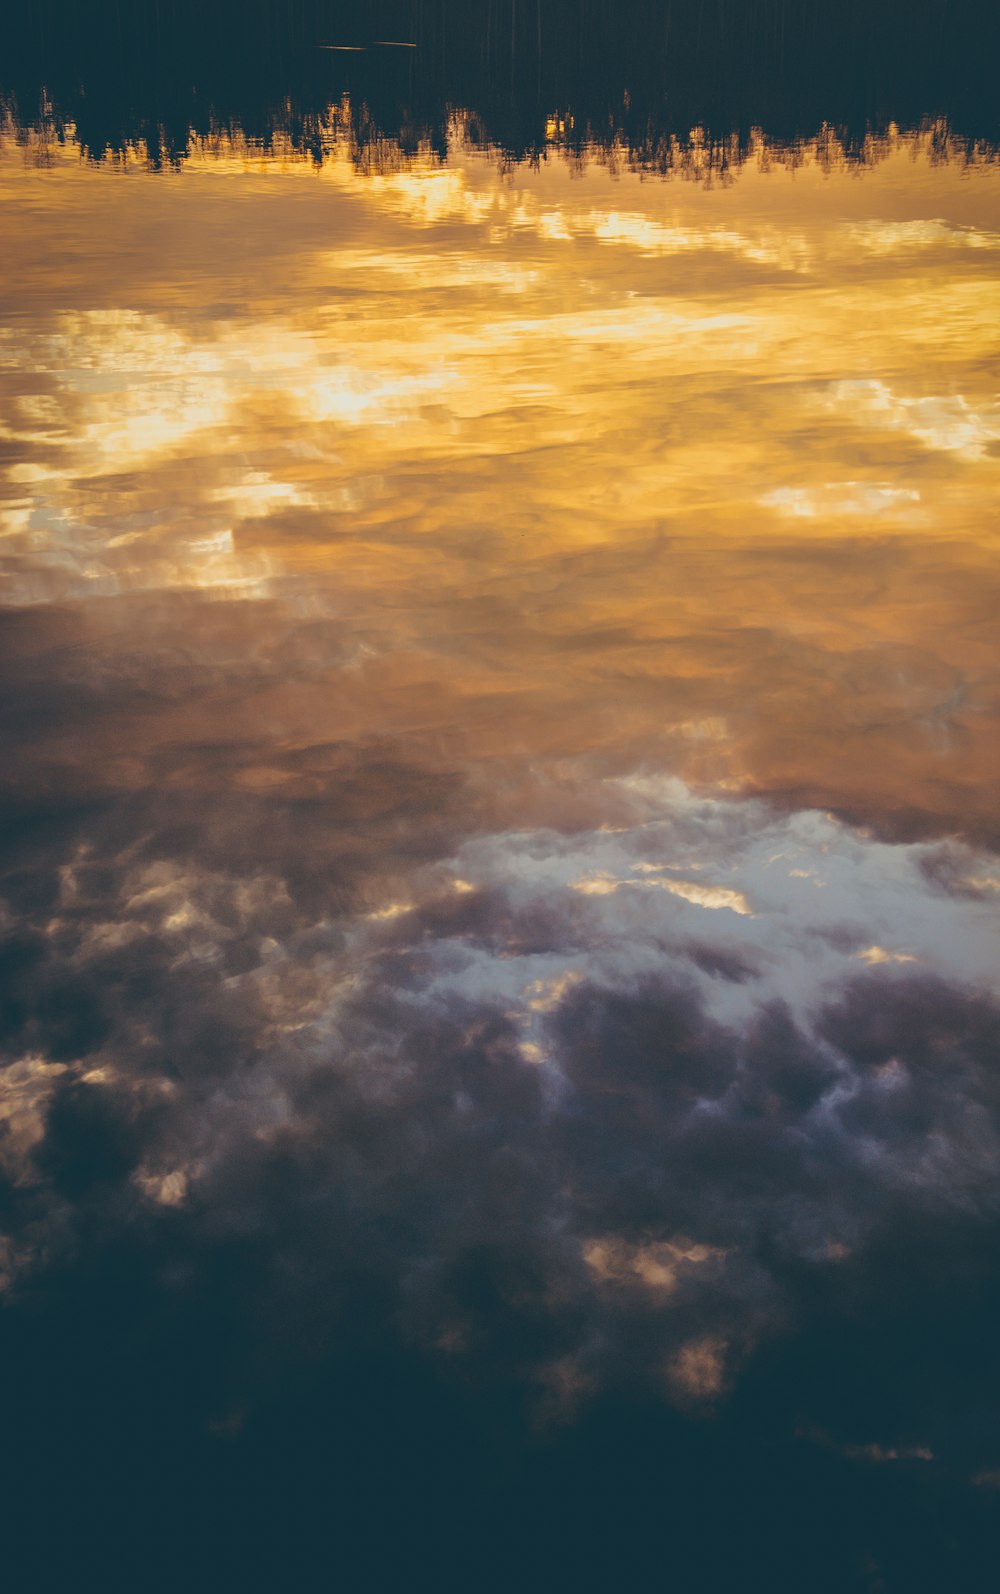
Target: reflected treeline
{"type": "Point", "coordinates": [628, 77]}
{"type": "Point", "coordinates": [347, 131]}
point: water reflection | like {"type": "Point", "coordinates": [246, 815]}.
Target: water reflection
{"type": "Point", "coordinates": [636, 76]}
{"type": "Point", "coordinates": [696, 458]}
{"type": "Point", "coordinates": [502, 699]}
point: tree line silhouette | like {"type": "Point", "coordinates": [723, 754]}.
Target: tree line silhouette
{"type": "Point", "coordinates": [626, 75]}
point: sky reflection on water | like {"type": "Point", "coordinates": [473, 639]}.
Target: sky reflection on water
{"type": "Point", "coordinates": [641, 473]}
{"type": "Point", "coordinates": [502, 715]}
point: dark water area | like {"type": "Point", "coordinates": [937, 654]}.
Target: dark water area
{"type": "Point", "coordinates": [634, 74]}
{"type": "Point", "coordinates": [499, 823]}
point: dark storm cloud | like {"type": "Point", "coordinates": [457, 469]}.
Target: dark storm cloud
{"type": "Point", "coordinates": [463, 1098]}
{"type": "Point", "coordinates": [363, 1139]}
{"type": "Point", "coordinates": [384, 1187]}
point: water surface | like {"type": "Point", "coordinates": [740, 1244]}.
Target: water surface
{"type": "Point", "coordinates": [501, 840]}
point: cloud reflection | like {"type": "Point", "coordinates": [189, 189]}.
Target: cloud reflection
{"type": "Point", "coordinates": [502, 694]}
{"type": "Point", "coordinates": [425, 436]}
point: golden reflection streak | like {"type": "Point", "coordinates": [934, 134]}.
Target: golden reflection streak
{"type": "Point", "coordinates": [664, 439]}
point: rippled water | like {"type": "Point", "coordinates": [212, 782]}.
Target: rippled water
{"type": "Point", "coordinates": [501, 838]}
